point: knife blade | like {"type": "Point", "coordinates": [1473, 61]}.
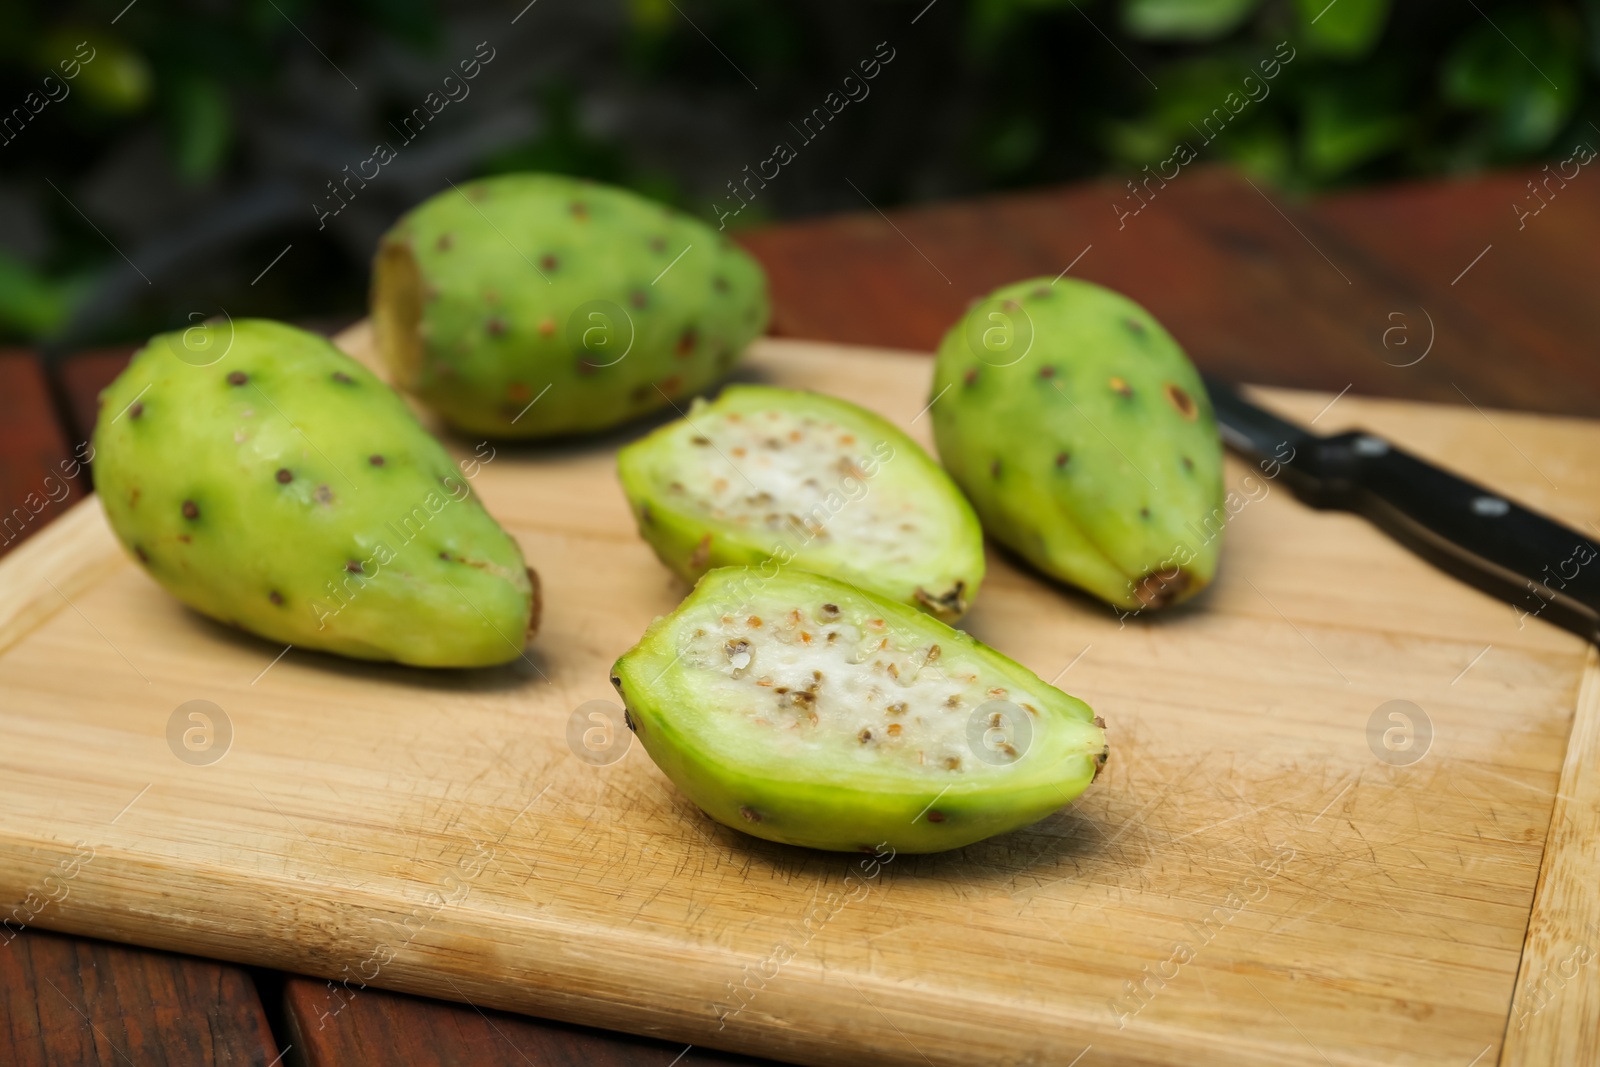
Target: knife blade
{"type": "Point", "coordinates": [1540, 567]}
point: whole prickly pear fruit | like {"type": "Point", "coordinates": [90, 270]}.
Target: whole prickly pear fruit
{"type": "Point", "coordinates": [531, 305]}
{"type": "Point", "coordinates": [1085, 440]}
{"type": "Point", "coordinates": [800, 709]}
{"type": "Point", "coordinates": [798, 477]}
{"type": "Point", "coordinates": [284, 489]}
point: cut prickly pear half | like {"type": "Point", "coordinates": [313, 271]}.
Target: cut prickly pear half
{"type": "Point", "coordinates": [1085, 440]}
{"type": "Point", "coordinates": [271, 482]}
{"type": "Point", "coordinates": [534, 305]}
{"type": "Point", "coordinates": [800, 709]}
{"type": "Point", "coordinates": [796, 477]}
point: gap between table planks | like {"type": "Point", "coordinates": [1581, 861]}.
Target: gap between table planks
{"type": "Point", "coordinates": [1238, 727]}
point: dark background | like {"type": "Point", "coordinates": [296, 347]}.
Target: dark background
{"type": "Point", "coordinates": [190, 150]}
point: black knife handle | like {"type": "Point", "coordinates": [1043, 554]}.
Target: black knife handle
{"type": "Point", "coordinates": [1542, 568]}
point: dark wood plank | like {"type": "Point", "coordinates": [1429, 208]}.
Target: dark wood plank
{"type": "Point", "coordinates": [40, 472]}
{"type": "Point", "coordinates": [84, 376]}
{"type": "Point", "coordinates": [70, 1000]}
{"type": "Point", "coordinates": [1256, 287]}
{"type": "Point", "coordinates": [1524, 317]}
{"type": "Point", "coordinates": [330, 1026]}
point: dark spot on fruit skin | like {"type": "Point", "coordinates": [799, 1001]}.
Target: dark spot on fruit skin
{"type": "Point", "coordinates": [639, 298]}
{"type": "Point", "coordinates": [191, 510]}
{"type": "Point", "coordinates": [1144, 513]}
{"type": "Point", "coordinates": [185, 538]}
{"type": "Point", "coordinates": [580, 209]}
{"type": "Point", "coordinates": [444, 555]}
{"type": "Point", "coordinates": [658, 244]}
{"type": "Point", "coordinates": [971, 377]}
{"type": "Point", "coordinates": [1188, 464]}
{"type": "Point", "coordinates": [672, 385]}
{"type": "Point", "coordinates": [1047, 372]}
{"type": "Point", "coordinates": [135, 410]}
{"type": "Point", "coordinates": [275, 596]}
{"type": "Point", "coordinates": [1120, 387]}
{"type": "Point", "coordinates": [144, 557]}
{"type": "Point", "coordinates": [1043, 290]}
{"type": "Point", "coordinates": [720, 284]}
{"type": "Point", "coordinates": [627, 716]}
{"type": "Point", "coordinates": [342, 378]}
{"type": "Point", "coordinates": [548, 262]}
{"type": "Point", "coordinates": [444, 242]}
{"type": "Point", "coordinates": [1179, 398]}
{"type": "Point", "coordinates": [1062, 459]}
{"type": "Point", "coordinates": [1134, 326]}
{"type": "Point", "coordinates": [686, 343]}
{"type": "Point", "coordinates": [994, 468]}
{"type": "Point", "coordinates": [285, 476]}
{"type": "Point", "coordinates": [936, 816]}
{"type": "Point", "coordinates": [751, 814]}
{"type": "Point", "coordinates": [354, 566]}
{"type": "Point", "coordinates": [646, 516]}
{"type": "Point", "coordinates": [238, 377]}
{"type": "Point", "coordinates": [496, 326]}
{"type": "Point", "coordinates": [375, 460]}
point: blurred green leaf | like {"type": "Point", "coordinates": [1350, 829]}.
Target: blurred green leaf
{"type": "Point", "coordinates": [1523, 71]}
{"type": "Point", "coordinates": [1185, 20]}
{"type": "Point", "coordinates": [563, 147]}
{"type": "Point", "coordinates": [649, 16]}
{"type": "Point", "coordinates": [1342, 28]}
{"type": "Point", "coordinates": [33, 305]}
{"type": "Point", "coordinates": [1012, 145]}
{"type": "Point", "coordinates": [1264, 150]}
{"type": "Point", "coordinates": [111, 76]}
{"type": "Point", "coordinates": [201, 126]}
{"type": "Point", "coordinates": [1351, 120]}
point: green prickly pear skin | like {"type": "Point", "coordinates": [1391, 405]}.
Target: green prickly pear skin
{"type": "Point", "coordinates": [1084, 438]}
{"type": "Point", "coordinates": [533, 305]}
{"type": "Point", "coordinates": [285, 490]}
{"type": "Point", "coordinates": [800, 709]}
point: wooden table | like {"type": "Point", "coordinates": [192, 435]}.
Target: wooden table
{"type": "Point", "coordinates": [1430, 291]}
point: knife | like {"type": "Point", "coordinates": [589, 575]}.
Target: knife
{"type": "Point", "coordinates": [1540, 567]}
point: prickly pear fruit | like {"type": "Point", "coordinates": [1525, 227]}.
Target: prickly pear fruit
{"type": "Point", "coordinates": [798, 477]}
{"type": "Point", "coordinates": [1085, 440]}
{"type": "Point", "coordinates": [531, 305]}
{"type": "Point", "coordinates": [286, 490]}
{"type": "Point", "coordinates": [799, 709]}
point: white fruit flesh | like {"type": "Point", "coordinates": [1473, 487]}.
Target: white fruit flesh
{"type": "Point", "coordinates": [794, 474]}
{"type": "Point", "coordinates": [817, 681]}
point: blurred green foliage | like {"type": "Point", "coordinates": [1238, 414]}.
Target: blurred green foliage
{"type": "Point", "coordinates": [193, 114]}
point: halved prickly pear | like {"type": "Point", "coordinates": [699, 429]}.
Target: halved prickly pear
{"type": "Point", "coordinates": [800, 709]}
{"type": "Point", "coordinates": [814, 480]}
{"type": "Point", "coordinates": [274, 483]}
{"type": "Point", "coordinates": [1085, 440]}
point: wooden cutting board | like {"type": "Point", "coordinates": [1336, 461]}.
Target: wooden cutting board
{"type": "Point", "coordinates": [1256, 879]}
